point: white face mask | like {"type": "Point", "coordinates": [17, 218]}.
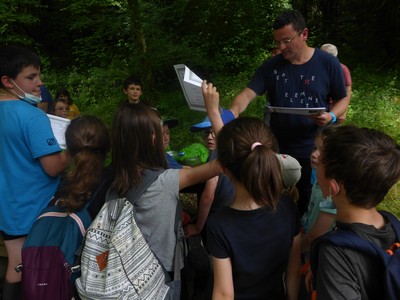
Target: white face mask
{"type": "Point", "coordinates": [330, 199]}
{"type": "Point", "coordinates": [29, 98]}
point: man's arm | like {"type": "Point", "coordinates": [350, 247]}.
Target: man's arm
{"type": "Point", "coordinates": [241, 101]}
{"type": "Point", "coordinates": [54, 164]}
{"type": "Point", "coordinates": [342, 117]}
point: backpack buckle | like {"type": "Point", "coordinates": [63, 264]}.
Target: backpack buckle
{"type": "Point", "coordinates": [18, 268]}
{"type": "Point", "coordinates": [393, 248]}
{"type": "Point", "coordinates": [76, 269]}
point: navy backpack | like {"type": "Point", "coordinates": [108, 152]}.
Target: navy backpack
{"type": "Point", "coordinates": [390, 257]}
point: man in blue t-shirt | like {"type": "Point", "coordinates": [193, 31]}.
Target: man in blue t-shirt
{"type": "Point", "coordinates": [299, 77]}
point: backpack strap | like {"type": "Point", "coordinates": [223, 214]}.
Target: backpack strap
{"type": "Point", "coordinates": [349, 239]}
{"type": "Point", "coordinates": [134, 193]}
{"type": "Point", "coordinates": [148, 177]}
{"type": "Point", "coordinates": [180, 236]}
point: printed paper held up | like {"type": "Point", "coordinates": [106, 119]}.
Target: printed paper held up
{"type": "Point", "coordinates": [191, 87]}
{"type": "Point", "coordinates": [59, 126]}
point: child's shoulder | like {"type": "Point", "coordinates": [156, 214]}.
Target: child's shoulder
{"type": "Point", "coordinates": [21, 109]}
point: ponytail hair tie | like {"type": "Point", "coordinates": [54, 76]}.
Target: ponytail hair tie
{"type": "Point", "coordinates": [255, 145]}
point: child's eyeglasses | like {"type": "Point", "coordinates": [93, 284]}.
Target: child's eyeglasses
{"type": "Point", "coordinates": [208, 132]}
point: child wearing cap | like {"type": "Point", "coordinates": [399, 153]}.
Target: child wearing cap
{"type": "Point", "coordinates": [255, 242]}
{"type": "Point", "coordinates": [291, 173]}
{"type": "Point", "coordinates": [218, 191]}
{"type": "Point", "coordinates": [167, 125]}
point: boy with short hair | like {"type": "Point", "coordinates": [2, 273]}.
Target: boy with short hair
{"type": "Point", "coordinates": [357, 167]}
{"type": "Point", "coordinates": [133, 89]}
{"type": "Point", "coordinates": [31, 157]}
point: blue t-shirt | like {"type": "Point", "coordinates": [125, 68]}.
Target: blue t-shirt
{"type": "Point", "coordinates": [46, 97]}
{"type": "Point", "coordinates": [225, 190]}
{"type": "Point", "coordinates": [25, 187]}
{"type": "Point", "coordinates": [171, 162]}
{"type": "Point", "coordinates": [258, 242]}
{"type": "Point", "coordinates": [311, 84]}
{"type": "Point", "coordinates": [317, 203]}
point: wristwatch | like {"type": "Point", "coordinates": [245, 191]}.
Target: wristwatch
{"type": "Point", "coordinates": [333, 118]}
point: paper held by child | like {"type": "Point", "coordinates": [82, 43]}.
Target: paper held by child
{"type": "Point", "coordinates": [59, 126]}
{"type": "Point", "coordinates": [191, 87]}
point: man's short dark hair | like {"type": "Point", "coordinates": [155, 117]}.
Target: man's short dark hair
{"type": "Point", "coordinates": [132, 80]}
{"type": "Point", "coordinates": [293, 17]}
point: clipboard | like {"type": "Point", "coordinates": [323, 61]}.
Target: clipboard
{"type": "Point", "coordinates": [297, 110]}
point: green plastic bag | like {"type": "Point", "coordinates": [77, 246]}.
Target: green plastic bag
{"type": "Point", "coordinates": [193, 155]}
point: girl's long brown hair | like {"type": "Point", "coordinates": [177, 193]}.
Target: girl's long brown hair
{"type": "Point", "coordinates": [258, 170]}
{"type": "Point", "coordinates": [137, 145]}
{"type": "Point", "coordinates": [88, 142]}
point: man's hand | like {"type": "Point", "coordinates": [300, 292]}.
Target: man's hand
{"type": "Point", "coordinates": [322, 119]}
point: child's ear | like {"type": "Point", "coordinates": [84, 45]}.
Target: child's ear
{"type": "Point", "coordinates": [334, 187]}
{"type": "Point", "coordinates": [7, 82]}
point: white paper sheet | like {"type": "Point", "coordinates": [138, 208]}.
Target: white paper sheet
{"type": "Point", "coordinates": [191, 87]}
{"type": "Point", "coordinates": [59, 126]}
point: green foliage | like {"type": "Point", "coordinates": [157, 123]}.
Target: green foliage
{"type": "Point", "coordinates": [230, 34]}
{"type": "Point", "coordinates": [90, 46]}
{"type": "Point", "coordinates": [16, 17]}
{"type": "Point", "coordinates": [375, 102]}
{"type": "Point", "coordinates": [361, 29]}
{"type": "Point", "coordinates": [97, 91]}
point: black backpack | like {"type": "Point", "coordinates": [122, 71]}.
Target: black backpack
{"type": "Point", "coordinates": [349, 239]}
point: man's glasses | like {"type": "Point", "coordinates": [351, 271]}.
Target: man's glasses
{"type": "Point", "coordinates": [287, 41]}
{"type": "Point", "coordinates": [208, 132]}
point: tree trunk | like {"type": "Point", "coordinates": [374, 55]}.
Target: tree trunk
{"type": "Point", "coordinates": [146, 67]}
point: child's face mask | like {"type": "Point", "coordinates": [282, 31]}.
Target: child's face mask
{"type": "Point", "coordinates": [29, 98]}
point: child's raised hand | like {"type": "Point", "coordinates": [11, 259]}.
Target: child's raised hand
{"type": "Point", "coordinates": [211, 96]}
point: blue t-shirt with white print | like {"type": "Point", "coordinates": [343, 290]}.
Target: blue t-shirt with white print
{"type": "Point", "coordinates": [308, 85]}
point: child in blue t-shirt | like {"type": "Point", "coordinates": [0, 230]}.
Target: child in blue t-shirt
{"type": "Point", "coordinates": [31, 156]}
{"type": "Point", "coordinates": [320, 215]}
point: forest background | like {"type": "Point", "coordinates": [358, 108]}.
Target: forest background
{"type": "Point", "coordinates": [91, 46]}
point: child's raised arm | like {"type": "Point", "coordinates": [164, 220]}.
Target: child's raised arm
{"type": "Point", "coordinates": [211, 101]}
